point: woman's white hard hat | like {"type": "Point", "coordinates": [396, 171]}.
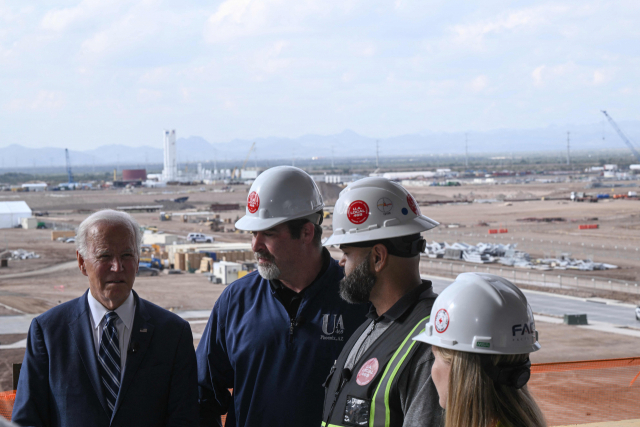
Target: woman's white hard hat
{"type": "Point", "coordinates": [482, 313]}
{"type": "Point", "coordinates": [375, 209]}
{"type": "Point", "coordinates": [278, 195]}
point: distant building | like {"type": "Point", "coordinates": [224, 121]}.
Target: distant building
{"type": "Point", "coordinates": [35, 186]}
{"type": "Point", "coordinates": [336, 179]}
{"type": "Point", "coordinates": [129, 175]}
{"type": "Point", "coordinates": [249, 173]}
{"type": "Point", "coordinates": [11, 213]}
{"type": "Point", "coordinates": [399, 176]}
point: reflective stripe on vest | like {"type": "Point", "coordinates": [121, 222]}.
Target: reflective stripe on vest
{"type": "Point", "coordinates": [382, 417]}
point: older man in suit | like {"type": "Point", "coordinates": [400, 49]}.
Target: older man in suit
{"type": "Point", "coordinates": [108, 358]}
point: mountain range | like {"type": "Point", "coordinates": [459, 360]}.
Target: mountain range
{"type": "Point", "coordinates": [348, 144]}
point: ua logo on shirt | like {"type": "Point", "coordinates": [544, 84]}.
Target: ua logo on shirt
{"type": "Point", "coordinates": [335, 323]}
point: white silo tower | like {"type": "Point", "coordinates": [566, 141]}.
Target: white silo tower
{"type": "Point", "coordinates": [170, 171]}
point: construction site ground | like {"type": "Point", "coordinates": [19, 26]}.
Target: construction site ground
{"type": "Point", "coordinates": [24, 290]}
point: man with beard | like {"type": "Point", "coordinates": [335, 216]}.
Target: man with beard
{"type": "Point", "coordinates": [274, 334]}
{"type": "Point", "coordinates": [382, 377]}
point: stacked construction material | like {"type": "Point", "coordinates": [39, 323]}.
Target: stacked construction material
{"type": "Point", "coordinates": [485, 253]}
{"type": "Point", "coordinates": [18, 254]}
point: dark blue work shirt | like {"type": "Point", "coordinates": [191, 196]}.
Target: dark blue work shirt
{"type": "Point", "coordinates": [275, 364]}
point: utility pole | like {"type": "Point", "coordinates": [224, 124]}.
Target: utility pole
{"type": "Point", "coordinates": [568, 148]}
{"type": "Point", "coordinates": [466, 150]}
{"type": "Point", "coordinates": [377, 158]}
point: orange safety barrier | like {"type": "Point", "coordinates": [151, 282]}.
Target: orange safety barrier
{"type": "Point", "coordinates": [588, 391]}
{"type": "Point", "coordinates": [588, 226]}
{"type": "Point", "coordinates": [7, 398]}
{"type": "Point", "coordinates": [503, 230]}
{"type": "Point", "coordinates": [6, 403]}
{"type": "Point", "coordinates": [493, 231]}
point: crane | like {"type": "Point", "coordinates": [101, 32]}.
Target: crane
{"type": "Point", "coordinates": [253, 146]}
{"type": "Point", "coordinates": [624, 138]}
{"type": "Point", "coordinates": [69, 174]}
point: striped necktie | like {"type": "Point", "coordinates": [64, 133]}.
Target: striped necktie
{"type": "Point", "coordinates": [109, 357]}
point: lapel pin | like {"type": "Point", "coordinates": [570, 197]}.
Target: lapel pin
{"type": "Point", "coordinates": [143, 330]}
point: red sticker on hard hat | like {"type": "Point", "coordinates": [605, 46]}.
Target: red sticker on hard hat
{"type": "Point", "coordinates": [253, 202]}
{"type": "Point", "coordinates": [442, 320]}
{"type": "Point", "coordinates": [367, 372]}
{"type": "Point", "coordinates": [413, 205]}
{"type": "Point", "coordinates": [358, 212]}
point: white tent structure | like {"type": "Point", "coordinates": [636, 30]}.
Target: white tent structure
{"type": "Point", "coordinates": [12, 212]}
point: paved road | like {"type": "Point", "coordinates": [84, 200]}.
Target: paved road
{"type": "Point", "coordinates": [559, 305]}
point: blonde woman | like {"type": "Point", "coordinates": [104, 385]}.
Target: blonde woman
{"type": "Point", "coordinates": [481, 331]}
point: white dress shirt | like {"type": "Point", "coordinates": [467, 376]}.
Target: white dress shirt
{"type": "Point", "coordinates": [125, 313]}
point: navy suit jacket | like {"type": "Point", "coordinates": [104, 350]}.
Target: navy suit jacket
{"type": "Point", "coordinates": [60, 383]}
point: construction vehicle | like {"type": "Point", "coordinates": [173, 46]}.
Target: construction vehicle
{"type": "Point", "coordinates": [165, 216]}
{"type": "Point", "coordinates": [582, 197]}
{"type": "Point", "coordinates": [215, 225]}
{"type": "Point", "coordinates": [622, 136]}
{"type": "Point", "coordinates": [152, 262]}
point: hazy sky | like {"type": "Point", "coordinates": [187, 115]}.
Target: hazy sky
{"type": "Point", "coordinates": [80, 74]}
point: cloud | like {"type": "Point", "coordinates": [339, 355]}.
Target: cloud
{"type": "Point", "coordinates": [537, 75]}
{"type": "Point", "coordinates": [235, 19]}
{"type": "Point", "coordinates": [545, 74]}
{"type": "Point", "coordinates": [149, 96]}
{"type": "Point", "coordinates": [269, 59]}
{"type": "Point", "coordinates": [507, 22]}
{"type": "Point", "coordinates": [250, 68]}
{"type": "Point", "coordinates": [58, 20]}
{"type": "Point", "coordinates": [242, 18]}
{"type": "Point", "coordinates": [44, 100]}
{"type": "Point", "coordinates": [600, 77]}
{"type": "Point", "coordinates": [479, 83]}
{"type": "Point", "coordinates": [87, 10]}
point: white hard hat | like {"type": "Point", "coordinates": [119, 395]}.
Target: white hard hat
{"type": "Point", "coordinates": [376, 209]}
{"type": "Point", "coordinates": [278, 195]}
{"type": "Point", "coordinates": [482, 313]}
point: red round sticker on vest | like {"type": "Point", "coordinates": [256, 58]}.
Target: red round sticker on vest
{"type": "Point", "coordinates": [413, 205]}
{"type": "Point", "coordinates": [253, 202]}
{"type": "Point", "coordinates": [367, 372]}
{"type": "Point", "coordinates": [358, 212]}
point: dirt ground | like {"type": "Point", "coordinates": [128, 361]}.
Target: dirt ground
{"type": "Point", "coordinates": [619, 232]}
{"type": "Point", "coordinates": [587, 395]}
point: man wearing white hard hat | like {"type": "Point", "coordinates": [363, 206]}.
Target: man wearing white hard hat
{"type": "Point", "coordinates": [274, 334]}
{"type": "Point", "coordinates": [481, 331]}
{"type": "Point", "coordinates": [382, 377]}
